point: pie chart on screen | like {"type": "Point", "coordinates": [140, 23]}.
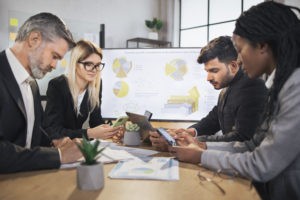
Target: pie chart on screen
{"type": "Point", "coordinates": [121, 67]}
{"type": "Point", "coordinates": [176, 69]}
{"type": "Point", "coordinates": [121, 89]}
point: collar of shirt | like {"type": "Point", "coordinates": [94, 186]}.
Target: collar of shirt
{"type": "Point", "coordinates": [17, 68]}
{"type": "Point", "coordinates": [269, 82]}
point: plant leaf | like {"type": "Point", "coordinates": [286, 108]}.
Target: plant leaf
{"type": "Point", "coordinates": [89, 150]}
{"type": "Point", "coordinates": [159, 25]}
{"type": "Point", "coordinates": [149, 24]}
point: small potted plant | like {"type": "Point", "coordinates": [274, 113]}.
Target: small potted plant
{"type": "Point", "coordinates": [155, 25]}
{"type": "Point", "coordinates": [132, 135]}
{"type": "Point", "coordinates": [90, 171]}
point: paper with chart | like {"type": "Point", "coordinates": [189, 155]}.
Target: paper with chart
{"type": "Point", "coordinates": [156, 168]}
{"type": "Point", "coordinates": [168, 82]}
{"type": "Point", "coordinates": [114, 153]}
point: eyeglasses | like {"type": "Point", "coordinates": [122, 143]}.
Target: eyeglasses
{"type": "Point", "coordinates": [89, 66]}
{"type": "Point", "coordinates": [204, 178]}
{"type": "Point", "coordinates": [216, 177]}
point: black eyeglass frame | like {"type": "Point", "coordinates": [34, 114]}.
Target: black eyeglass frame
{"type": "Point", "coordinates": [99, 67]}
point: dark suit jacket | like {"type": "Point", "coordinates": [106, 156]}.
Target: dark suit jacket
{"type": "Point", "coordinates": [60, 118]}
{"type": "Point", "coordinates": [13, 128]}
{"type": "Point", "coordinates": [237, 113]}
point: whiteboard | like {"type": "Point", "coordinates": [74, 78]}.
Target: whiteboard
{"type": "Point", "coordinates": [168, 82]}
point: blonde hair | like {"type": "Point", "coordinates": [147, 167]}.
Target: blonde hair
{"type": "Point", "coordinates": [81, 51]}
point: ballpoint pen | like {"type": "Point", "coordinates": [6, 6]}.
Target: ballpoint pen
{"type": "Point", "coordinates": [47, 135]}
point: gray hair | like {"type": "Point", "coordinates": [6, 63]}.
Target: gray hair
{"type": "Point", "coordinates": [50, 26]}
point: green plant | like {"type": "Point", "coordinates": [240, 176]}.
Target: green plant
{"type": "Point", "coordinates": [89, 150]}
{"type": "Point", "coordinates": [132, 127]}
{"type": "Point", "coordinates": [154, 24]}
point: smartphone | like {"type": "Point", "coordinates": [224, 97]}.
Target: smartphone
{"type": "Point", "coordinates": [167, 136]}
{"type": "Point", "coordinates": [120, 121]}
{"type": "Point", "coordinates": [148, 114]}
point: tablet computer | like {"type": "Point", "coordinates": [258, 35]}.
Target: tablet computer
{"type": "Point", "coordinates": [143, 122]}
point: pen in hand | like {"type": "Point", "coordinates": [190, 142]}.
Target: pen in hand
{"type": "Point", "coordinates": [47, 135]}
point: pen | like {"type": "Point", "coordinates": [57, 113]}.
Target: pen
{"type": "Point", "coordinates": [47, 135]}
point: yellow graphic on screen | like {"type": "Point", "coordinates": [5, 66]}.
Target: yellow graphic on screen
{"type": "Point", "coordinates": [12, 36]}
{"type": "Point", "coordinates": [121, 89]}
{"type": "Point", "coordinates": [176, 69]}
{"type": "Point", "coordinates": [63, 63]}
{"type": "Point", "coordinates": [184, 104]}
{"type": "Point", "coordinates": [121, 67]}
{"type": "Point", "coordinates": [13, 22]}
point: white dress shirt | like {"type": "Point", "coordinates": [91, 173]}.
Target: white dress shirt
{"type": "Point", "coordinates": [270, 79]}
{"type": "Point", "coordinates": [79, 101]}
{"type": "Point", "coordinates": [22, 77]}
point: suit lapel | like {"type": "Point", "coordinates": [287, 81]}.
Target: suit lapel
{"type": "Point", "coordinates": [221, 103]}
{"type": "Point", "coordinates": [224, 98]}
{"type": "Point", "coordinates": [11, 83]}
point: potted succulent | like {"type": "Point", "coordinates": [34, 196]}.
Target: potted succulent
{"type": "Point", "coordinates": [90, 171]}
{"type": "Point", "coordinates": [132, 135]}
{"type": "Point", "coordinates": [155, 25]}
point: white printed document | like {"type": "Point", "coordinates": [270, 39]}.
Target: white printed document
{"type": "Point", "coordinates": [114, 153]}
{"type": "Point", "coordinates": [156, 168]}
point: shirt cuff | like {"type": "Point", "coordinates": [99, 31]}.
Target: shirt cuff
{"type": "Point", "coordinates": [206, 159]}
{"type": "Point", "coordinates": [196, 132]}
{"type": "Point", "coordinates": [209, 145]}
{"type": "Point", "coordinates": [59, 152]}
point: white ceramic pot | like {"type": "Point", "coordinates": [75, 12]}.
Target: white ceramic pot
{"type": "Point", "coordinates": [90, 177]}
{"type": "Point", "coordinates": [153, 35]}
{"type": "Point", "coordinates": [132, 138]}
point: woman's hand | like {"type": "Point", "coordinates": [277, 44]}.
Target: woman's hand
{"type": "Point", "coordinates": [158, 141]}
{"type": "Point", "coordinates": [104, 131]}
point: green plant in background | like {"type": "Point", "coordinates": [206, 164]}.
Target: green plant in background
{"type": "Point", "coordinates": [154, 24]}
{"type": "Point", "coordinates": [132, 127]}
{"type": "Point", "coordinates": [89, 150]}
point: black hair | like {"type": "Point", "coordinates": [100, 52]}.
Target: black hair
{"type": "Point", "coordinates": [278, 26]}
{"type": "Point", "coordinates": [221, 48]}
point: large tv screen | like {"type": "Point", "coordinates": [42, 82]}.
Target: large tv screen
{"type": "Point", "coordinates": [167, 82]}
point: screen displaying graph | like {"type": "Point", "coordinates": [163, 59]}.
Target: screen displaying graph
{"type": "Point", "coordinates": [168, 82]}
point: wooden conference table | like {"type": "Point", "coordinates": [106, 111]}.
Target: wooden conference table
{"type": "Point", "coordinates": [61, 184]}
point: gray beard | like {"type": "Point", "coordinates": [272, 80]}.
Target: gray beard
{"type": "Point", "coordinates": [36, 72]}
{"type": "Point", "coordinates": [35, 63]}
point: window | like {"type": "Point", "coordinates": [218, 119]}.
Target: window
{"type": "Point", "coordinates": [204, 20]}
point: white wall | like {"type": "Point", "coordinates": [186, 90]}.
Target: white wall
{"type": "Point", "coordinates": [292, 3]}
{"type": "Point", "coordinates": [123, 19]}
{"type": "Point", "coordinates": [295, 3]}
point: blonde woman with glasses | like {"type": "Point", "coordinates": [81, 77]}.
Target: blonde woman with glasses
{"type": "Point", "coordinates": [76, 97]}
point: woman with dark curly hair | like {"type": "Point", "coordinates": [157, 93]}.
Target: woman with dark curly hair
{"type": "Point", "coordinates": [267, 39]}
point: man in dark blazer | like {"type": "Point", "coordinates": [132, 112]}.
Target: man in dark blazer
{"type": "Point", "coordinates": [240, 102]}
{"type": "Point", "coordinates": [41, 41]}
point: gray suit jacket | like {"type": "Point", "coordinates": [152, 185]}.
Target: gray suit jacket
{"type": "Point", "coordinates": [276, 160]}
